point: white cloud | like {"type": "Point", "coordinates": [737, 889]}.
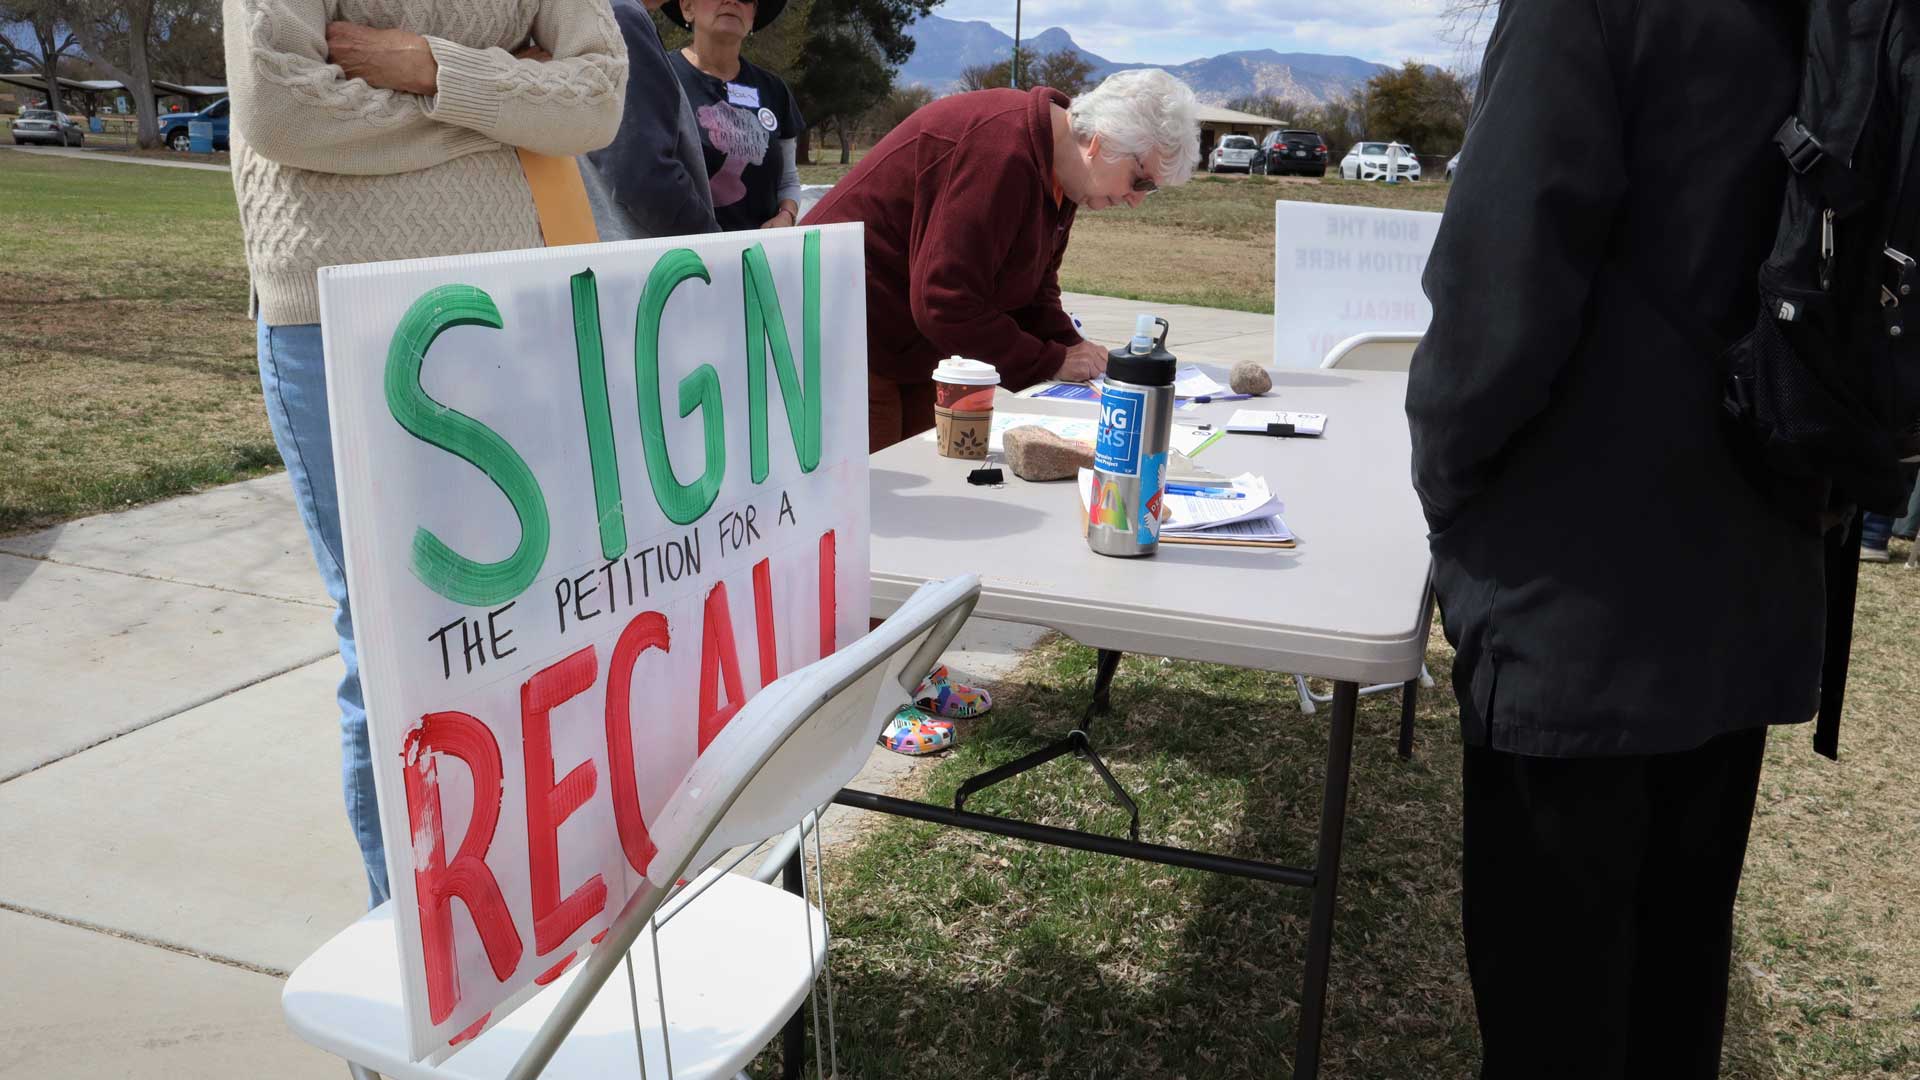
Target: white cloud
{"type": "Point", "coordinates": [1175, 31]}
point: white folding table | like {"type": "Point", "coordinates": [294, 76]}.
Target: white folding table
{"type": "Point", "coordinates": [1350, 603]}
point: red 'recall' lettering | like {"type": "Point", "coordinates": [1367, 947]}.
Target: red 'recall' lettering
{"type": "Point", "coordinates": [549, 804]}
{"type": "Point", "coordinates": [457, 735]}
{"type": "Point", "coordinates": [648, 630]}
{"type": "Point", "coordinates": [718, 661]}
{"type": "Point", "coordinates": [829, 596]}
{"type": "Point", "coordinates": [763, 620]}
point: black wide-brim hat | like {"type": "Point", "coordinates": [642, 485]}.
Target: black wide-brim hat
{"type": "Point", "coordinates": [764, 12]}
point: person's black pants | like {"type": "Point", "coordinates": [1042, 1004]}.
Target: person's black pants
{"type": "Point", "coordinates": [1598, 897]}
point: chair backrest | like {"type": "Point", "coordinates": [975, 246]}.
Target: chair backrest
{"type": "Point", "coordinates": [782, 756]}
{"type": "Point", "coordinates": [1375, 350]}
{"type": "Point", "coordinates": [802, 738]}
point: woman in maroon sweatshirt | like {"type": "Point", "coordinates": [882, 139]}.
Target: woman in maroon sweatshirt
{"type": "Point", "coordinates": [968, 205]}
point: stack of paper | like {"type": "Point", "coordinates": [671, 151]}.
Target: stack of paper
{"type": "Point", "coordinates": [1239, 511]}
{"type": "Point", "coordinates": [1270, 422]}
{"type": "Point", "coordinates": [1188, 382]}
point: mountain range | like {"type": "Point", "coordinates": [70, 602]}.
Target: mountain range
{"type": "Point", "coordinates": [945, 47]}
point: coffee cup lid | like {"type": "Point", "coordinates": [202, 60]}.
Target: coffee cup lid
{"type": "Point", "coordinates": [965, 372]}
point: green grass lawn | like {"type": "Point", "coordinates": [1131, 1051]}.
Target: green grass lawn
{"type": "Point", "coordinates": [125, 352]}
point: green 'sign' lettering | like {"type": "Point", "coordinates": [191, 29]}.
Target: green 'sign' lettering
{"type": "Point", "coordinates": [766, 327]}
{"type": "Point", "coordinates": [682, 503]}
{"type": "Point", "coordinates": [438, 566]}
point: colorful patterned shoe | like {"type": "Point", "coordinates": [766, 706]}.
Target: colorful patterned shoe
{"type": "Point", "coordinates": [940, 695]}
{"type": "Point", "coordinates": [913, 732]}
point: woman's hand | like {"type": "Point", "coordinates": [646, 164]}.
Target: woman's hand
{"type": "Point", "coordinates": [785, 217]}
{"type": "Point", "coordinates": [1083, 362]}
{"type": "Point", "coordinates": [385, 59]}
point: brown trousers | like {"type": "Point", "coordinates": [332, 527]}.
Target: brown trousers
{"type": "Point", "coordinates": [896, 411]}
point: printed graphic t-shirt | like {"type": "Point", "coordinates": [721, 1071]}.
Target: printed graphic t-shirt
{"type": "Point", "coordinates": [741, 121]}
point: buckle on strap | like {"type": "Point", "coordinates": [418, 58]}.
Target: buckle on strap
{"type": "Point", "coordinates": [1802, 150]}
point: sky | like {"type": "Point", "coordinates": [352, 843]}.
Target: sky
{"type": "Point", "coordinates": [1175, 31]}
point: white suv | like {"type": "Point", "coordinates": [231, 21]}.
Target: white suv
{"type": "Point", "coordinates": [1370, 161]}
{"type": "Point", "coordinates": [1234, 152]}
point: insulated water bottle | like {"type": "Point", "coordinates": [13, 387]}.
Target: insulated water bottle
{"type": "Point", "coordinates": [1130, 453]}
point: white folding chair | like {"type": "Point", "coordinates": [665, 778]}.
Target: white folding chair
{"type": "Point", "coordinates": [1374, 350]}
{"type": "Point", "coordinates": [728, 958]}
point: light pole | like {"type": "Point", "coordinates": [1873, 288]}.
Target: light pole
{"type": "Point", "coordinates": [1013, 73]}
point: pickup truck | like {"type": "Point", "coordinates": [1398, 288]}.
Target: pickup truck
{"type": "Point", "coordinates": [173, 126]}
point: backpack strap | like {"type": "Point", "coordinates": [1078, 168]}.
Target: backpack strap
{"type": "Point", "coordinates": [1843, 586]}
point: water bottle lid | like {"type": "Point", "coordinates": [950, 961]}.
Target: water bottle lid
{"type": "Point", "coordinates": [1143, 362]}
{"type": "Point", "coordinates": [1142, 342]}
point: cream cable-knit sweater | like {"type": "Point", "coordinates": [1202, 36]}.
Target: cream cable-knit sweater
{"type": "Point", "coordinates": [329, 170]}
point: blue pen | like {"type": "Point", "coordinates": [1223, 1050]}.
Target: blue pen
{"type": "Point", "coordinates": [1203, 492]}
{"type": "Point", "coordinates": [1207, 399]}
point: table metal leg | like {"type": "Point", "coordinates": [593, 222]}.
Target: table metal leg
{"type": "Point", "coordinates": [793, 1037]}
{"type": "Point", "coordinates": [1326, 875]}
{"type": "Point", "coordinates": [1409, 698]}
{"type": "Point", "coordinates": [1105, 666]}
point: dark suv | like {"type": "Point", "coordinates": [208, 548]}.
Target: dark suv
{"type": "Point", "coordinates": [1284, 152]}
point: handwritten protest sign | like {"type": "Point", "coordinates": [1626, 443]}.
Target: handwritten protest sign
{"type": "Point", "coordinates": [594, 498]}
{"type": "Point", "coordinates": [1344, 270]}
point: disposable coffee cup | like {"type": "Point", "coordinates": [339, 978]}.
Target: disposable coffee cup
{"type": "Point", "coordinates": [963, 407]}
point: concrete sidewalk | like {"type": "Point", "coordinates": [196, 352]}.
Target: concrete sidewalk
{"type": "Point", "coordinates": [172, 839]}
{"type": "Point", "coordinates": [104, 154]}
{"type": "Point", "coordinates": [171, 828]}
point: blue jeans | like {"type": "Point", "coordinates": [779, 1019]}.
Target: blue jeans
{"type": "Point", "coordinates": [1905, 526]}
{"type": "Point", "coordinates": [293, 379]}
{"type": "Point", "coordinates": [1876, 531]}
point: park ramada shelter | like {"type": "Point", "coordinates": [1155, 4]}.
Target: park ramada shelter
{"type": "Point", "coordinates": [91, 94]}
{"type": "Point", "coordinates": [1216, 122]}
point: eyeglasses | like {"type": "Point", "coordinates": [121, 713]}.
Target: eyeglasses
{"type": "Point", "coordinates": [1144, 182]}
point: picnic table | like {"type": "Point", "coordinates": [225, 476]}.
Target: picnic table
{"type": "Point", "coordinates": [1350, 603]}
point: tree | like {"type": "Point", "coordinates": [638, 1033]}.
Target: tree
{"type": "Point", "coordinates": [1418, 105]}
{"type": "Point", "coordinates": [188, 48]}
{"type": "Point", "coordinates": [900, 103]}
{"type": "Point", "coordinates": [34, 35]}
{"type": "Point", "coordinates": [1338, 120]}
{"type": "Point", "coordinates": [1064, 70]}
{"type": "Point", "coordinates": [119, 38]}
{"type": "Point", "coordinates": [853, 49]}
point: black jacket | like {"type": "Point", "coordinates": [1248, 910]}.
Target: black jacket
{"type": "Point", "coordinates": [1612, 577]}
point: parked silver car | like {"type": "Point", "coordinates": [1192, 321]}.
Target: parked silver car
{"type": "Point", "coordinates": [47, 126]}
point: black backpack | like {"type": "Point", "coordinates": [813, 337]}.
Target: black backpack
{"type": "Point", "coordinates": [1824, 392]}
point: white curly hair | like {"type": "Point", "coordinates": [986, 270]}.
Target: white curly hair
{"type": "Point", "coordinates": [1142, 112]}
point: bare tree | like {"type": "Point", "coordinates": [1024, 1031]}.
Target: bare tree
{"type": "Point", "coordinates": [130, 39]}
{"type": "Point", "coordinates": [117, 37]}
{"type": "Point", "coordinates": [1466, 23]}
{"type": "Point", "coordinates": [34, 34]}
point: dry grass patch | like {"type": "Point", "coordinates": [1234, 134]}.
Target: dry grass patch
{"type": "Point", "coordinates": [126, 352]}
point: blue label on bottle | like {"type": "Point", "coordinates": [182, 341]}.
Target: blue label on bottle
{"type": "Point", "coordinates": [1122, 414]}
